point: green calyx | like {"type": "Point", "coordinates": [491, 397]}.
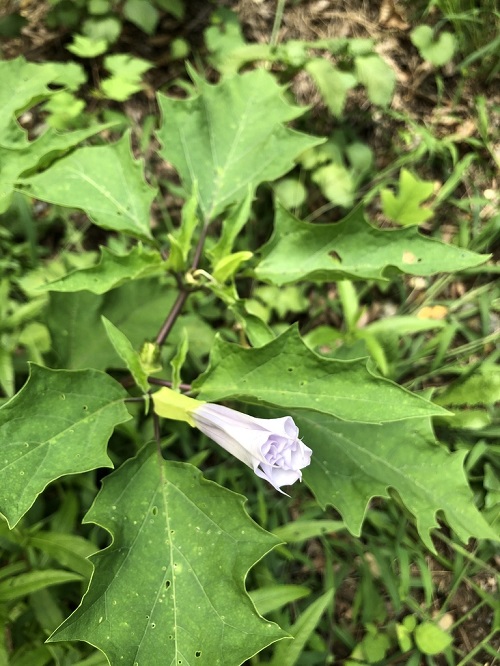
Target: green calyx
{"type": "Point", "coordinates": [172, 405]}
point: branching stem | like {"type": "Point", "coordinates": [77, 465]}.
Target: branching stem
{"type": "Point", "coordinates": [164, 382]}
{"type": "Point", "coordinates": [183, 293]}
{"type": "Point", "coordinates": [172, 316]}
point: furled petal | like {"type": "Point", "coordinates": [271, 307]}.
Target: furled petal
{"type": "Point", "coordinates": [279, 477]}
{"type": "Point", "coordinates": [271, 447]}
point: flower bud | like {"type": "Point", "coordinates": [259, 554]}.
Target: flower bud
{"type": "Point", "coordinates": [271, 447]}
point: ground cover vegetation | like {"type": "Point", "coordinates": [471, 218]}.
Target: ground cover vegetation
{"type": "Point", "coordinates": [288, 209]}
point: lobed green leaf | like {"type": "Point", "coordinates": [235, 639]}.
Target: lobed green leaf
{"type": "Point", "coordinates": [104, 181]}
{"type": "Point", "coordinates": [59, 423]}
{"type": "Point", "coordinates": [286, 373]}
{"type": "Point", "coordinates": [354, 462]}
{"type": "Point", "coordinates": [36, 154]}
{"type": "Point", "coordinates": [111, 271]}
{"type": "Point", "coordinates": [353, 249]}
{"type": "Point", "coordinates": [406, 208]}
{"type": "Point", "coordinates": [230, 136]}
{"type": "Point", "coordinates": [170, 587]}
{"type": "Point", "coordinates": [24, 84]}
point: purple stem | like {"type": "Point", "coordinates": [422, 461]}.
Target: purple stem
{"type": "Point", "coordinates": [172, 316]}
{"type": "Point", "coordinates": [164, 382]}
{"type": "Point", "coordinates": [182, 295]}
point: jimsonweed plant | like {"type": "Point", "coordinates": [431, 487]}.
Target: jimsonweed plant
{"type": "Point", "coordinates": [136, 349]}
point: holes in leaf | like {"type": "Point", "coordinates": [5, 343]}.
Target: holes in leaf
{"type": "Point", "coordinates": [154, 511]}
{"type": "Point", "coordinates": [197, 653]}
{"type": "Point", "coordinates": [167, 584]}
{"type": "Point", "coordinates": [85, 408]}
{"type": "Point", "coordinates": [335, 256]}
{"type": "Point", "coordinates": [290, 369]}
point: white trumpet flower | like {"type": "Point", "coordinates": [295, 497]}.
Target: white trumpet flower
{"type": "Point", "coordinates": [271, 447]}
